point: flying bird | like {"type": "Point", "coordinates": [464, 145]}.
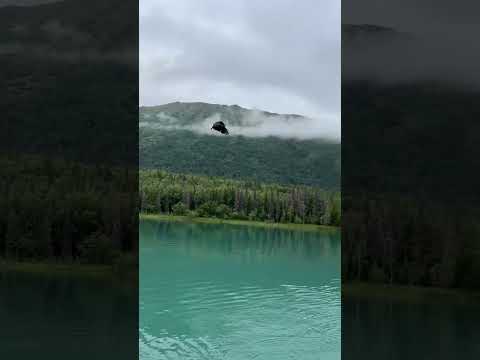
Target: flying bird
{"type": "Point", "coordinates": [220, 126]}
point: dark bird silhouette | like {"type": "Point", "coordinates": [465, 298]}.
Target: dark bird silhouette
{"type": "Point", "coordinates": [220, 126]}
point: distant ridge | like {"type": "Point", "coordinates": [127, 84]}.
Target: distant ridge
{"type": "Point", "coordinates": [168, 142]}
{"type": "Point", "coordinates": [352, 33]}
{"type": "Point", "coordinates": [189, 113]}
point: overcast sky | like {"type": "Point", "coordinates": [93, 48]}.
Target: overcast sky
{"type": "Point", "coordinates": [444, 44]}
{"type": "Point", "coordinates": [413, 15]}
{"type": "Point", "coordinates": [276, 55]}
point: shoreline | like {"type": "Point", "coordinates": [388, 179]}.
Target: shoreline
{"type": "Point", "coordinates": [101, 272]}
{"type": "Point", "coordinates": [60, 269]}
{"type": "Point", "coordinates": [208, 220]}
{"type": "Point", "coordinates": [407, 294]}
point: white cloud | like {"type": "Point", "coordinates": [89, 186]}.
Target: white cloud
{"type": "Point", "coordinates": [281, 56]}
{"type": "Point", "coordinates": [253, 124]}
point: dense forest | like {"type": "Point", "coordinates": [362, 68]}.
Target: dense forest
{"type": "Point", "coordinates": [417, 223]}
{"type": "Point", "coordinates": [70, 93]}
{"type": "Point", "coordinates": [50, 210]}
{"type": "Point", "coordinates": [192, 195]}
{"type": "Point", "coordinates": [409, 241]}
{"type": "Point", "coordinates": [175, 137]}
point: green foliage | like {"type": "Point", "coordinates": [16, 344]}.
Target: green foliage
{"type": "Point", "coordinates": [207, 209]}
{"type": "Point", "coordinates": [97, 249]}
{"type": "Point", "coordinates": [52, 211]}
{"type": "Point", "coordinates": [223, 211]}
{"type": "Point", "coordinates": [180, 209]}
{"type": "Point", "coordinates": [399, 240]}
{"type": "Point", "coordinates": [265, 159]}
{"type": "Point", "coordinates": [335, 211]}
{"type": "Point", "coordinates": [180, 194]}
{"type": "Point", "coordinates": [409, 213]}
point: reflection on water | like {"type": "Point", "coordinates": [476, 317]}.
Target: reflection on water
{"type": "Point", "coordinates": [380, 329]}
{"type": "Point", "coordinates": [63, 317]}
{"type": "Point", "coordinates": [235, 292]}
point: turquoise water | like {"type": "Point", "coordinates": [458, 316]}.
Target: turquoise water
{"type": "Point", "coordinates": [380, 329]}
{"type": "Point", "coordinates": [58, 317]}
{"type": "Point", "coordinates": [210, 291]}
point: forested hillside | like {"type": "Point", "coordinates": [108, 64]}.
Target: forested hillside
{"type": "Point", "coordinates": [68, 135]}
{"type": "Point", "coordinates": [416, 223]}
{"type": "Point", "coordinates": [61, 70]}
{"type": "Point", "coordinates": [50, 211]}
{"type": "Point", "coordinates": [417, 215]}
{"type": "Point", "coordinates": [179, 194]}
{"type": "Point", "coordinates": [176, 137]}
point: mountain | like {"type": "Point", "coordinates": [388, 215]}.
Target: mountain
{"type": "Point", "coordinates": [194, 113]}
{"type": "Point", "coordinates": [69, 76]}
{"type": "Point", "coordinates": [177, 137]}
{"type": "Point", "coordinates": [400, 116]}
{"type": "Point", "coordinates": [350, 31]}
{"type": "Point", "coordinates": [368, 35]}
{"type": "Point", "coordinates": [410, 139]}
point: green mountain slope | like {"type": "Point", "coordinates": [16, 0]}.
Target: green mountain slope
{"type": "Point", "coordinates": [68, 77]}
{"type": "Point", "coordinates": [170, 139]}
{"type": "Point", "coordinates": [194, 113]}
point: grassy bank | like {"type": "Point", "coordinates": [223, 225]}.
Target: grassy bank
{"type": "Point", "coordinates": [409, 294]}
{"type": "Point", "coordinates": [57, 269]}
{"type": "Point", "coordinates": [162, 192]}
{"type": "Point", "coordinates": [125, 269]}
{"type": "Point", "coordinates": [204, 220]}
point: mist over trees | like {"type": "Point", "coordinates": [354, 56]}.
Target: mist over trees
{"type": "Point", "coordinates": [176, 137]}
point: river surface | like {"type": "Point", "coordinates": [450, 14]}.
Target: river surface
{"type": "Point", "coordinates": [217, 291]}
{"type": "Point", "coordinates": [385, 329]}
{"type": "Point", "coordinates": [66, 316]}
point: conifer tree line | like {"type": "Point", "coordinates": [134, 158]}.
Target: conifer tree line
{"type": "Point", "coordinates": [193, 195]}
{"type": "Point", "coordinates": [66, 212]}
{"type": "Point", "coordinates": [399, 240]}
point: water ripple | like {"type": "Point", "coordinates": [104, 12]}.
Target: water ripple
{"type": "Point", "coordinates": [213, 307]}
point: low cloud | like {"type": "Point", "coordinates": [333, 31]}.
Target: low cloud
{"type": "Point", "coordinates": [254, 124]}
{"type": "Point", "coordinates": [404, 57]}
{"type": "Point", "coordinates": [271, 55]}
